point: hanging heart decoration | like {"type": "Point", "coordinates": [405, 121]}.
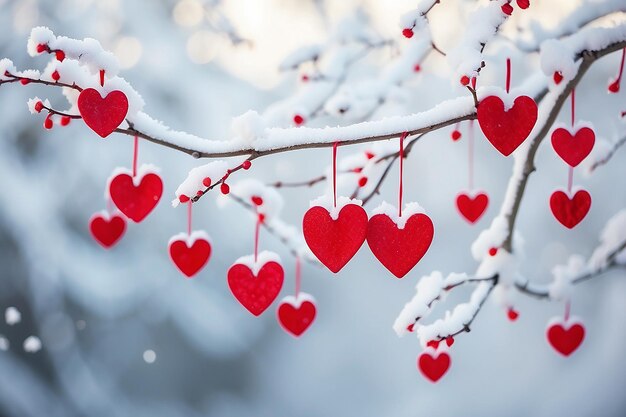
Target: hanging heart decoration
{"type": "Point", "coordinates": [570, 211]}
{"type": "Point", "coordinates": [507, 129]}
{"type": "Point", "coordinates": [335, 236]}
{"type": "Point", "coordinates": [399, 242]}
{"type": "Point", "coordinates": [136, 198]}
{"type": "Point", "coordinates": [573, 149]}
{"type": "Point", "coordinates": [296, 314]}
{"type": "Point", "coordinates": [102, 114]}
{"type": "Point", "coordinates": [256, 284]}
{"type": "Point", "coordinates": [472, 207]}
{"type": "Point", "coordinates": [190, 252]}
{"type": "Point", "coordinates": [433, 364]}
{"type": "Point", "coordinates": [565, 337]}
{"type": "Point", "coordinates": [107, 229]}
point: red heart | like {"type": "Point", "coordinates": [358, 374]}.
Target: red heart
{"type": "Point", "coordinates": [102, 115]}
{"type": "Point", "coordinates": [294, 316]}
{"type": "Point", "coordinates": [190, 259]}
{"type": "Point", "coordinates": [507, 129]}
{"type": "Point", "coordinates": [565, 340]}
{"type": "Point", "coordinates": [573, 149]}
{"type": "Point", "coordinates": [335, 242]}
{"type": "Point", "coordinates": [399, 250]}
{"type": "Point", "coordinates": [431, 367]}
{"type": "Point", "coordinates": [136, 201]}
{"type": "Point", "coordinates": [256, 293]}
{"type": "Point", "coordinates": [107, 230]}
{"type": "Point", "coordinates": [472, 208]}
{"type": "Point", "coordinates": [570, 212]}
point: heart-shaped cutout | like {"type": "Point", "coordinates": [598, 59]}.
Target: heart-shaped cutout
{"type": "Point", "coordinates": [107, 229]}
{"type": "Point", "coordinates": [102, 114]}
{"type": "Point", "coordinates": [507, 129]}
{"type": "Point", "coordinates": [472, 208]}
{"type": "Point", "coordinates": [573, 149]}
{"type": "Point", "coordinates": [190, 253]}
{"type": "Point", "coordinates": [255, 290]}
{"type": "Point", "coordinates": [431, 366]}
{"type": "Point", "coordinates": [570, 212]}
{"type": "Point", "coordinates": [136, 201]}
{"type": "Point", "coordinates": [296, 314]}
{"type": "Point", "coordinates": [399, 244]}
{"type": "Point", "coordinates": [335, 241]}
{"type": "Point", "coordinates": [565, 338]}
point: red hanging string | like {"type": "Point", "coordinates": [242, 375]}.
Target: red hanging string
{"type": "Point", "coordinates": [135, 151]}
{"type": "Point", "coordinates": [570, 170]}
{"type": "Point", "coordinates": [470, 144]}
{"type": "Point", "coordinates": [621, 68]}
{"type": "Point", "coordinates": [567, 309]}
{"type": "Point", "coordinates": [298, 275]}
{"type": "Point", "coordinates": [570, 179]}
{"type": "Point", "coordinates": [257, 231]}
{"type": "Point", "coordinates": [401, 156]}
{"type": "Point", "coordinates": [573, 111]}
{"type": "Point", "coordinates": [189, 218]}
{"type": "Point", "coordinates": [335, 173]}
{"type": "Point", "coordinates": [102, 78]}
{"type": "Point", "coordinates": [508, 75]}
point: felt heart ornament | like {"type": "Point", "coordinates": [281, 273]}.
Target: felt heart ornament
{"type": "Point", "coordinates": [433, 365]}
{"type": "Point", "coordinates": [472, 208]}
{"type": "Point", "coordinates": [102, 114]}
{"type": "Point", "coordinates": [334, 240]}
{"type": "Point", "coordinates": [107, 229]}
{"type": "Point", "coordinates": [399, 242]}
{"type": "Point", "coordinates": [190, 253]}
{"type": "Point", "coordinates": [296, 314]}
{"type": "Point", "coordinates": [570, 211]}
{"type": "Point", "coordinates": [565, 338]}
{"type": "Point", "coordinates": [136, 198]}
{"type": "Point", "coordinates": [507, 129]}
{"type": "Point", "coordinates": [573, 149]}
{"type": "Point", "coordinates": [256, 284]}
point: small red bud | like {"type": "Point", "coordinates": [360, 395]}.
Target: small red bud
{"type": "Point", "coordinates": [407, 32]}
{"type": "Point", "coordinates": [357, 170]}
{"type": "Point", "coordinates": [261, 217]}
{"type": "Point", "coordinates": [256, 200]}
{"type": "Point", "coordinates": [199, 193]}
{"type": "Point", "coordinates": [465, 80]}
{"type": "Point", "coordinates": [183, 198]}
{"type": "Point", "coordinates": [24, 81]}
{"type": "Point", "coordinates": [410, 327]}
{"type": "Point", "coordinates": [449, 341]}
{"type": "Point", "coordinates": [41, 48]}
{"type": "Point", "coordinates": [507, 9]}
{"type": "Point", "coordinates": [47, 124]}
{"type": "Point", "coordinates": [56, 76]}
{"type": "Point", "coordinates": [417, 68]}
{"type": "Point", "coordinates": [298, 120]}
{"type": "Point", "coordinates": [304, 78]}
{"type": "Point", "coordinates": [65, 120]}
{"type": "Point", "coordinates": [362, 181]}
{"type": "Point", "coordinates": [493, 251]}
{"type": "Point", "coordinates": [523, 4]}
{"type": "Point", "coordinates": [38, 106]}
{"type": "Point", "coordinates": [512, 314]}
{"type": "Point", "coordinates": [224, 188]}
{"type": "Point", "coordinates": [456, 135]}
{"type": "Point", "coordinates": [369, 155]}
{"type": "Point", "coordinates": [433, 344]}
{"type": "Point", "coordinates": [206, 182]}
{"type": "Point", "coordinates": [614, 86]}
{"type": "Point", "coordinates": [246, 164]}
{"type": "Point", "coordinates": [557, 77]}
{"type": "Point", "coordinates": [60, 55]}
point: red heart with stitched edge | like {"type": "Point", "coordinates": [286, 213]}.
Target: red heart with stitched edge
{"type": "Point", "coordinates": [431, 367]}
{"type": "Point", "coordinates": [570, 212]}
{"type": "Point", "coordinates": [296, 317]}
{"type": "Point", "coordinates": [190, 259]}
{"type": "Point", "coordinates": [573, 149]}
{"type": "Point", "coordinates": [335, 242]}
{"type": "Point", "coordinates": [102, 115]}
{"type": "Point", "coordinates": [107, 230]}
{"type": "Point", "coordinates": [565, 340]}
{"type": "Point", "coordinates": [399, 250]}
{"type": "Point", "coordinates": [256, 293]}
{"type": "Point", "coordinates": [136, 201]}
{"type": "Point", "coordinates": [507, 129]}
{"type": "Point", "coordinates": [472, 208]}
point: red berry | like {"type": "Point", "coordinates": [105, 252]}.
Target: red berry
{"type": "Point", "coordinates": [56, 76]}
{"type": "Point", "coordinates": [410, 327]}
{"type": "Point", "coordinates": [24, 81]}
{"type": "Point", "coordinates": [256, 200]}
{"type": "Point", "coordinates": [224, 188]}
{"type": "Point", "coordinates": [246, 164]}
{"type": "Point", "coordinates": [298, 120]}
{"type": "Point", "coordinates": [614, 86]}
{"type": "Point", "coordinates": [38, 106]}
{"type": "Point", "coordinates": [48, 123]}
{"type": "Point", "coordinates": [557, 77]}
{"type": "Point", "coordinates": [261, 217]}
{"type": "Point", "coordinates": [60, 55]}
{"type": "Point", "coordinates": [433, 344]}
{"type": "Point", "coordinates": [507, 9]}
{"type": "Point", "coordinates": [206, 182]}
{"type": "Point", "coordinates": [42, 47]}
{"type": "Point", "coordinates": [408, 32]}
{"type": "Point", "coordinates": [183, 198]}
{"type": "Point", "coordinates": [362, 181]}
{"type": "Point", "coordinates": [523, 4]}
{"type": "Point", "coordinates": [456, 135]}
{"type": "Point", "coordinates": [304, 78]}
{"type": "Point", "coordinates": [449, 341]}
{"type": "Point", "coordinates": [199, 193]}
{"type": "Point", "coordinates": [65, 120]}
{"type": "Point", "coordinates": [465, 80]}
{"type": "Point", "coordinates": [493, 251]}
{"type": "Point", "coordinates": [369, 155]}
{"type": "Point", "coordinates": [417, 68]}
{"type": "Point", "coordinates": [512, 314]}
